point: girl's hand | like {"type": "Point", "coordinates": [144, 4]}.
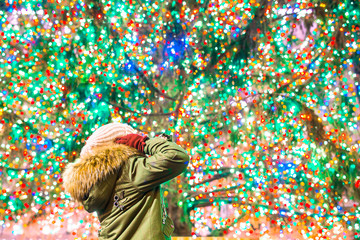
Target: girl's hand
{"type": "Point", "coordinates": [133, 140]}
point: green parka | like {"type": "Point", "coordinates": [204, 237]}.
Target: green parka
{"type": "Point", "coordinates": [123, 186]}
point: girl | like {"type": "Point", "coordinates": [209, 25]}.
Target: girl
{"type": "Point", "coordinates": [115, 177]}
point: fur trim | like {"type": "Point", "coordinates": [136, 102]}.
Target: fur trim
{"type": "Point", "coordinates": [81, 175]}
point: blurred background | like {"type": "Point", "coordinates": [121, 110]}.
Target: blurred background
{"type": "Point", "coordinates": [263, 94]}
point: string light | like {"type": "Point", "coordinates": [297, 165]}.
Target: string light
{"type": "Point", "coordinates": [263, 95]}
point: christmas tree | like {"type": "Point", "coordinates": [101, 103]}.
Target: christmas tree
{"type": "Point", "coordinates": [263, 94]}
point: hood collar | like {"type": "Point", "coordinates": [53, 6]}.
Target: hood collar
{"type": "Point", "coordinates": [81, 175]}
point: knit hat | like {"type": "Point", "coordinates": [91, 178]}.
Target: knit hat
{"type": "Point", "coordinates": [106, 135]}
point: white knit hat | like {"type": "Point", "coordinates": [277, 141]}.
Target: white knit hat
{"type": "Point", "coordinates": [106, 135]}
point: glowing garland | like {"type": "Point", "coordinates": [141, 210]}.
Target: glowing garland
{"type": "Point", "coordinates": [264, 96]}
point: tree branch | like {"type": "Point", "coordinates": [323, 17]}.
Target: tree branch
{"type": "Point", "coordinates": [132, 111]}
{"type": "Point", "coordinates": [148, 83]}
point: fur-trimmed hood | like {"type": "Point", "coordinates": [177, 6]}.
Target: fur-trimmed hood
{"type": "Point", "coordinates": [81, 175]}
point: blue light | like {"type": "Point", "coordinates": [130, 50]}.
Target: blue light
{"type": "Point", "coordinates": [129, 67]}
{"type": "Point", "coordinates": [174, 48]}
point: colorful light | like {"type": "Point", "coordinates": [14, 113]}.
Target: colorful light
{"type": "Point", "coordinates": [264, 96]}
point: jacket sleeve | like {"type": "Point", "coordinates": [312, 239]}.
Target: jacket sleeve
{"type": "Point", "coordinates": [100, 194]}
{"type": "Point", "coordinates": [166, 161]}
